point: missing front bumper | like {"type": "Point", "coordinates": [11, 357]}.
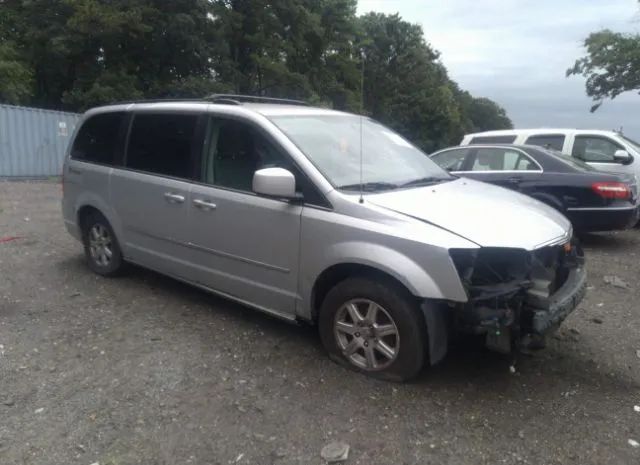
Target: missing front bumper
{"type": "Point", "coordinates": [564, 301]}
{"type": "Point", "coordinates": [517, 296]}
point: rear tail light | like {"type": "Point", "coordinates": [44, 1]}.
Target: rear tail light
{"type": "Point", "coordinates": [612, 190]}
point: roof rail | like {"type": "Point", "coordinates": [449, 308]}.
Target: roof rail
{"type": "Point", "coordinates": [159, 100]}
{"type": "Point", "coordinates": [235, 99]}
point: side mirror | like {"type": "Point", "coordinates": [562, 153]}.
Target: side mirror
{"type": "Point", "coordinates": [622, 156]}
{"type": "Point", "coordinates": [275, 182]}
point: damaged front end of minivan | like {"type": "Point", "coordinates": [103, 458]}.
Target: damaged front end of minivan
{"type": "Point", "coordinates": [515, 296]}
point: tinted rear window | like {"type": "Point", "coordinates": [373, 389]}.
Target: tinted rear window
{"type": "Point", "coordinates": [548, 141]}
{"type": "Point", "coordinates": [493, 140]}
{"type": "Point", "coordinates": [567, 160]}
{"type": "Point", "coordinates": [162, 144]}
{"type": "Point", "coordinates": [97, 138]}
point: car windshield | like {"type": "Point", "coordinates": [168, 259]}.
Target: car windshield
{"type": "Point", "coordinates": [332, 143]}
{"type": "Point", "coordinates": [631, 142]}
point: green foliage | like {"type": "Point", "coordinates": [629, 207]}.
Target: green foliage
{"type": "Point", "coordinates": [405, 86]}
{"type": "Point", "coordinates": [75, 54]}
{"type": "Point", "coordinates": [482, 114]}
{"type": "Point", "coordinates": [16, 78]}
{"type": "Point", "coordinates": [612, 65]}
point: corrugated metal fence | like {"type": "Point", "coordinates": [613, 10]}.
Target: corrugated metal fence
{"type": "Point", "coordinates": [33, 141]}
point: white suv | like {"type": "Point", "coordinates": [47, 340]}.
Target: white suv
{"type": "Point", "coordinates": [604, 150]}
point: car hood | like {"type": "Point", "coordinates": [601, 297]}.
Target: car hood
{"type": "Point", "coordinates": [488, 215]}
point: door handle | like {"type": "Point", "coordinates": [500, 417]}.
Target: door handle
{"type": "Point", "coordinates": [515, 179]}
{"type": "Point", "coordinates": [204, 205]}
{"type": "Point", "coordinates": [174, 198]}
{"type": "Point", "coordinates": [75, 170]}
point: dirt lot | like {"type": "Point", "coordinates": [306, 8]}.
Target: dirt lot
{"type": "Point", "coordinates": [145, 370]}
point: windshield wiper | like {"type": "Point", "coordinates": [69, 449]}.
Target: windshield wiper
{"type": "Point", "coordinates": [427, 181]}
{"type": "Point", "coordinates": [370, 186]}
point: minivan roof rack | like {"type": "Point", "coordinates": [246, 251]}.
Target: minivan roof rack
{"type": "Point", "coordinates": [237, 99]}
{"type": "Point", "coordinates": [160, 100]}
{"type": "Point", "coordinates": [228, 99]}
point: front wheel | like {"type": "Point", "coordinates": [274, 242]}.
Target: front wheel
{"type": "Point", "coordinates": [374, 327]}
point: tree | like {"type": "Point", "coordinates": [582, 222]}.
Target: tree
{"type": "Point", "coordinates": [75, 54]}
{"type": "Point", "coordinates": [292, 48]}
{"type": "Point", "coordinates": [88, 52]}
{"type": "Point", "coordinates": [482, 114]}
{"type": "Point", "coordinates": [16, 78]}
{"type": "Point", "coordinates": [405, 86]}
{"type": "Point", "coordinates": [612, 65]}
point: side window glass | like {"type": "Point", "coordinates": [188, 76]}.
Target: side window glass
{"type": "Point", "coordinates": [526, 164]}
{"type": "Point", "coordinates": [511, 161]}
{"type": "Point", "coordinates": [97, 138]}
{"type": "Point", "coordinates": [162, 144]}
{"type": "Point", "coordinates": [595, 149]}
{"type": "Point", "coordinates": [555, 142]}
{"type": "Point", "coordinates": [492, 140]}
{"type": "Point", "coordinates": [494, 159]}
{"type": "Point", "coordinates": [489, 159]}
{"type": "Point", "coordinates": [234, 152]}
{"type": "Point", "coordinates": [451, 160]}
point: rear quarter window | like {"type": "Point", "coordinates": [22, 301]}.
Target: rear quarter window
{"type": "Point", "coordinates": [492, 140]}
{"type": "Point", "coordinates": [97, 138]}
{"type": "Point", "coordinates": [451, 160]}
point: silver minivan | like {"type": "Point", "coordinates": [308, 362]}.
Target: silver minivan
{"type": "Point", "coordinates": [319, 216]}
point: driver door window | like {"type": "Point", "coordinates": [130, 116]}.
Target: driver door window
{"type": "Point", "coordinates": [595, 149]}
{"type": "Point", "coordinates": [233, 152]}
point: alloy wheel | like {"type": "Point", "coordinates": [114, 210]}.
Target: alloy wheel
{"type": "Point", "coordinates": [100, 245]}
{"type": "Point", "coordinates": [366, 334]}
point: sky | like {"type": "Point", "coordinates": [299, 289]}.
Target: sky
{"type": "Point", "coordinates": [516, 52]}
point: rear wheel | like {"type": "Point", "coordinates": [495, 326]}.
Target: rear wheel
{"type": "Point", "coordinates": [101, 247]}
{"type": "Point", "coordinates": [375, 328]}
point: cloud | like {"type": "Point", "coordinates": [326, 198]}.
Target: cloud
{"type": "Point", "coordinates": [517, 51]}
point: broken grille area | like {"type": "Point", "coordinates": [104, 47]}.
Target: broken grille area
{"type": "Point", "coordinates": [491, 272]}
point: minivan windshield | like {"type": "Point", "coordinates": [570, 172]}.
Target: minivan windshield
{"type": "Point", "coordinates": [333, 142]}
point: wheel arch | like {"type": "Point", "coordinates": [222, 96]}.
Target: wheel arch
{"type": "Point", "coordinates": [345, 258]}
{"type": "Point", "coordinates": [435, 313]}
{"type": "Point", "coordinates": [83, 213]}
{"type": "Point", "coordinates": [337, 273]}
{"type": "Point", "coordinates": [549, 199]}
{"type": "Point", "coordinates": [89, 202]}
{"type": "Point", "coordinates": [376, 261]}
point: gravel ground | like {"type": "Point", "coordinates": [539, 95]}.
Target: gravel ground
{"type": "Point", "coordinates": [145, 370]}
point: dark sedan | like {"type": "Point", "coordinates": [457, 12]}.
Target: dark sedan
{"type": "Point", "coordinates": [593, 200]}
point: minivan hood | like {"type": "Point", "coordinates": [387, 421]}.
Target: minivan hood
{"type": "Point", "coordinates": [488, 215]}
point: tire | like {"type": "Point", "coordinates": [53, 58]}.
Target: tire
{"type": "Point", "coordinates": [101, 248]}
{"type": "Point", "coordinates": [352, 340]}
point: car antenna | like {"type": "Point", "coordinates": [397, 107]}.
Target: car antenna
{"type": "Point", "coordinates": [363, 56]}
